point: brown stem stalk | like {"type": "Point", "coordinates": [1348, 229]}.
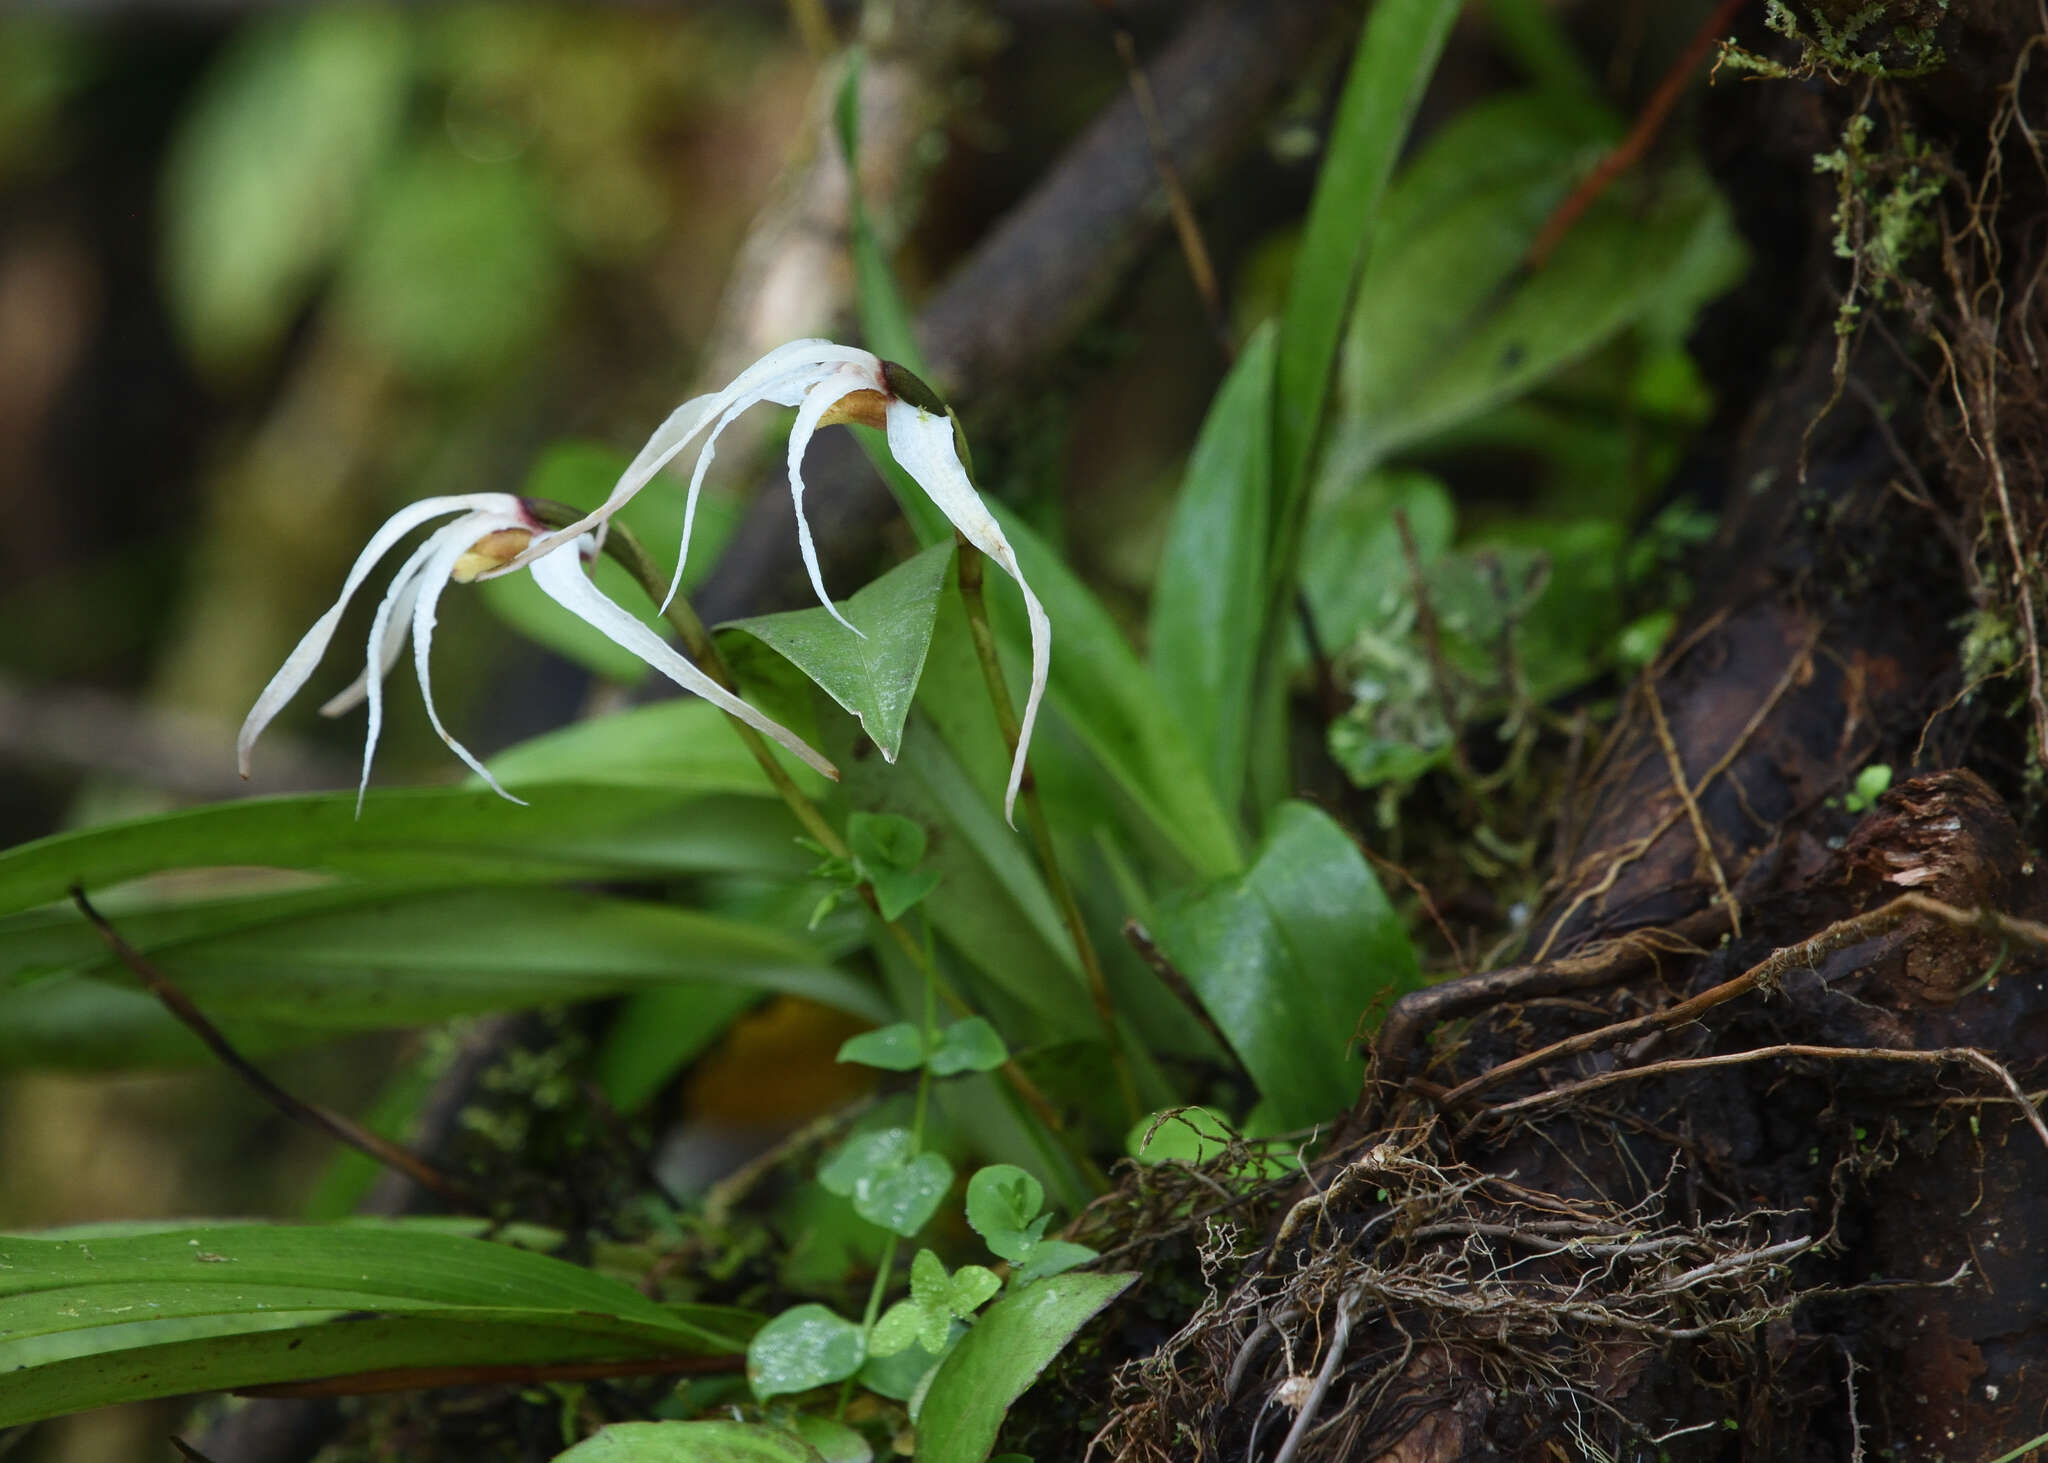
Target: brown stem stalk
{"type": "Point", "coordinates": [976, 603]}
{"type": "Point", "coordinates": [312, 1115]}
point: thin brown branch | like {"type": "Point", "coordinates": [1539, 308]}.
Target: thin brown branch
{"type": "Point", "coordinates": [415, 1378]}
{"type": "Point", "coordinates": [1631, 148]}
{"type": "Point", "coordinates": [1808, 952]}
{"type": "Point", "coordinates": [1608, 963]}
{"type": "Point", "coordinates": [1187, 230]}
{"type": "Point", "coordinates": [312, 1115]}
{"type": "Point", "coordinates": [1140, 939]}
{"type": "Point", "coordinates": [1969, 1056]}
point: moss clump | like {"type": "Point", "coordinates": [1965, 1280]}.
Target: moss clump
{"type": "Point", "coordinates": [1877, 39]}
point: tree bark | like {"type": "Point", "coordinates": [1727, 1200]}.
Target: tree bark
{"type": "Point", "coordinates": [1737, 1162]}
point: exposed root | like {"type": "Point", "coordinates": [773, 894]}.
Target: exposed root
{"type": "Point", "coordinates": [1410, 1285]}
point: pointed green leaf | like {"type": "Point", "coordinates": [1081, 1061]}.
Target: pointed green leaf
{"type": "Point", "coordinates": [969, 1045]}
{"type": "Point", "coordinates": [1105, 693]}
{"type": "Point", "coordinates": [1396, 56]}
{"type": "Point", "coordinates": [873, 674]}
{"type": "Point", "coordinates": [1445, 324]}
{"type": "Point", "coordinates": [570, 831]}
{"type": "Point", "coordinates": [1288, 957]}
{"type": "Point", "coordinates": [999, 1358]}
{"type": "Point", "coordinates": [280, 969]}
{"type": "Point", "coordinates": [655, 1033]}
{"type": "Point", "coordinates": [1210, 601]}
{"type": "Point", "coordinates": [895, 1048]}
{"type": "Point", "coordinates": [691, 1442]}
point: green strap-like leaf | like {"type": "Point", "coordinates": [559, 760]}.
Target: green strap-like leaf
{"type": "Point", "coordinates": [1210, 601]}
{"type": "Point", "coordinates": [281, 969]}
{"type": "Point", "coordinates": [1396, 56]}
{"type": "Point", "coordinates": [89, 1321]}
{"type": "Point", "coordinates": [441, 835]}
{"type": "Point", "coordinates": [1000, 1358]}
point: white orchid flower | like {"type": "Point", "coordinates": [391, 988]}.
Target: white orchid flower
{"type": "Point", "coordinates": [493, 529]}
{"type": "Point", "coordinates": [835, 383]}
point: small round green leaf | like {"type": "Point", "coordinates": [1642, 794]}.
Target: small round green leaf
{"type": "Point", "coordinates": [864, 1157]}
{"type": "Point", "coordinates": [1002, 1202]}
{"type": "Point", "coordinates": [971, 1045]}
{"type": "Point", "coordinates": [1188, 1134]}
{"type": "Point", "coordinates": [897, 1331]}
{"type": "Point", "coordinates": [898, 1048]}
{"type": "Point", "coordinates": [897, 1376]}
{"type": "Point", "coordinates": [903, 1198]}
{"type": "Point", "coordinates": [806, 1346]}
{"type": "Point", "coordinates": [885, 840]}
{"type": "Point", "coordinates": [968, 1287]}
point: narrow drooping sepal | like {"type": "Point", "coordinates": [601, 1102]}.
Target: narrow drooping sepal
{"type": "Point", "coordinates": [560, 575]}
{"type": "Point", "coordinates": [923, 443]}
{"type": "Point", "coordinates": [305, 658]}
{"type": "Point", "coordinates": [780, 376]}
{"type": "Point", "coordinates": [447, 546]}
{"type": "Point", "coordinates": [820, 399]}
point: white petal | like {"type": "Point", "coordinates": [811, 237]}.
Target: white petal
{"type": "Point", "coordinates": [560, 575]}
{"type": "Point", "coordinates": [820, 399]}
{"type": "Point", "coordinates": [787, 389]}
{"type": "Point", "coordinates": [399, 625]}
{"type": "Point", "coordinates": [298, 667]}
{"type": "Point", "coordinates": [923, 444]}
{"type": "Point", "coordinates": [768, 379]}
{"type": "Point", "coordinates": [387, 633]}
{"type": "Point", "coordinates": [450, 544]}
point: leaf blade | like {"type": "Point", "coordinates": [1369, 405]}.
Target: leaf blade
{"type": "Point", "coordinates": [999, 1359]}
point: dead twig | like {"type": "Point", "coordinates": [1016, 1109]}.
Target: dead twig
{"type": "Point", "coordinates": [415, 1378]}
{"type": "Point", "coordinates": [1186, 228]}
{"type": "Point", "coordinates": [311, 1115]}
{"type": "Point", "coordinates": [1140, 939]}
{"type": "Point", "coordinates": [1631, 148]}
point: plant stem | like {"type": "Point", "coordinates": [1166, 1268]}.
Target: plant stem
{"type": "Point", "coordinates": [976, 603]}
{"type": "Point", "coordinates": [627, 552]}
{"type": "Point", "coordinates": [918, 1113]}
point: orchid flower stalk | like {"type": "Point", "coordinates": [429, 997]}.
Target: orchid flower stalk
{"type": "Point", "coordinates": [492, 531]}
{"type": "Point", "coordinates": [831, 384]}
